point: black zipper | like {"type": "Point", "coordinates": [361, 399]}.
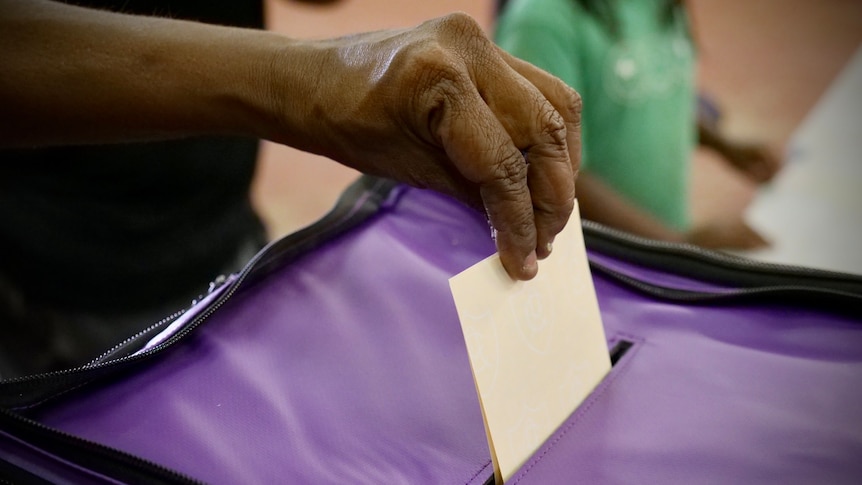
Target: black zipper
{"type": "Point", "coordinates": [713, 266]}
{"type": "Point", "coordinates": [19, 393]}
{"type": "Point", "coordinates": [754, 280]}
{"type": "Point", "coordinates": [369, 193]}
{"type": "Point", "coordinates": [749, 279]}
{"type": "Point", "coordinates": [90, 456]}
{"type": "Point", "coordinates": [798, 294]}
{"type": "Point", "coordinates": [129, 345]}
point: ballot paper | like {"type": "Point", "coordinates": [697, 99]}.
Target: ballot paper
{"type": "Point", "coordinates": [537, 348]}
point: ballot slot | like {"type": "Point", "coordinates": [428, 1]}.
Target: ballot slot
{"type": "Point", "coordinates": [537, 348]}
{"type": "Point", "coordinates": [618, 350]}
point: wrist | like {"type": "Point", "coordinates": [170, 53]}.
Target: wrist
{"type": "Point", "coordinates": [289, 93]}
{"type": "Point", "coordinates": [231, 90]}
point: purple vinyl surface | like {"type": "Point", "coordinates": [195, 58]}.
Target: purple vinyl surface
{"type": "Point", "coordinates": [348, 366]}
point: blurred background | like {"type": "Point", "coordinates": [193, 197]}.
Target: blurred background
{"type": "Point", "coordinates": [765, 62]}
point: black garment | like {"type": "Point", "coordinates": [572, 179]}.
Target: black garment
{"type": "Point", "coordinates": [122, 228]}
{"type": "Point", "coordinates": [237, 13]}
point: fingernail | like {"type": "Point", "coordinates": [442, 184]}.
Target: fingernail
{"type": "Point", "coordinates": [545, 250]}
{"type": "Point", "coordinates": [531, 264]}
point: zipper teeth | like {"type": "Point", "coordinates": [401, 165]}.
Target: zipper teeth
{"type": "Point", "coordinates": [681, 294]}
{"type": "Point", "coordinates": [706, 254]}
{"type": "Point", "coordinates": [98, 365]}
{"type": "Point", "coordinates": [93, 364]}
{"type": "Point", "coordinates": [678, 248]}
{"type": "Point", "coordinates": [136, 336]}
{"type": "Point", "coordinates": [698, 296]}
{"type": "Point", "coordinates": [197, 320]}
{"type": "Point", "coordinates": [625, 237]}
{"type": "Point", "coordinates": [139, 463]}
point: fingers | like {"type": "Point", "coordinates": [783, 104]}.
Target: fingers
{"type": "Point", "coordinates": [475, 140]}
{"type": "Point", "coordinates": [748, 238]}
{"type": "Point", "coordinates": [770, 163]}
{"type": "Point", "coordinates": [564, 99]}
{"type": "Point", "coordinates": [724, 234]}
{"type": "Point", "coordinates": [510, 129]}
{"type": "Point", "coordinates": [542, 117]}
{"type": "Point", "coordinates": [757, 162]}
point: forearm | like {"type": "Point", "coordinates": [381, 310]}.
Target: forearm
{"type": "Point", "coordinates": [75, 75]}
{"type": "Point", "coordinates": [437, 106]}
{"type": "Point", "coordinates": [600, 203]}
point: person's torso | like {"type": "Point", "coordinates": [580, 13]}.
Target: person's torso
{"type": "Point", "coordinates": [633, 64]}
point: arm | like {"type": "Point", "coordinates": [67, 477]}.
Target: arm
{"type": "Point", "coordinates": [755, 161]}
{"type": "Point", "coordinates": [436, 106]}
{"type": "Point", "coordinates": [601, 203]}
{"type": "Point", "coordinates": [75, 75]}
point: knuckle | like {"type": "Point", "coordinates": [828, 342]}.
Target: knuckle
{"type": "Point", "coordinates": [519, 227]}
{"type": "Point", "coordinates": [569, 98]}
{"type": "Point", "coordinates": [436, 79]}
{"type": "Point", "coordinates": [574, 102]}
{"type": "Point", "coordinates": [437, 72]}
{"type": "Point", "coordinates": [524, 229]}
{"type": "Point", "coordinates": [552, 123]}
{"type": "Point", "coordinates": [564, 204]}
{"type": "Point", "coordinates": [511, 171]}
{"type": "Point", "coordinates": [556, 210]}
{"type": "Point", "coordinates": [562, 212]}
{"type": "Point", "coordinates": [459, 23]}
{"type": "Point", "coordinates": [431, 65]}
{"type": "Point", "coordinates": [465, 36]}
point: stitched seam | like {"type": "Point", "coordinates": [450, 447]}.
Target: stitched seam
{"type": "Point", "coordinates": [583, 411]}
{"type": "Point", "coordinates": [470, 480]}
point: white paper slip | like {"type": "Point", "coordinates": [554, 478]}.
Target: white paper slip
{"type": "Point", "coordinates": [537, 348]}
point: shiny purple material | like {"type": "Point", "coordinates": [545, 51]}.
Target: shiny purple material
{"type": "Point", "coordinates": [348, 366]}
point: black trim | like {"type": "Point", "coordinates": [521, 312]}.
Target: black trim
{"type": "Point", "coordinates": [747, 280]}
{"type": "Point", "coordinates": [100, 459]}
{"type": "Point", "coordinates": [711, 266]}
{"type": "Point", "coordinates": [12, 474]}
{"type": "Point", "coordinates": [29, 391]}
{"type": "Point", "coordinates": [826, 299]}
{"type": "Point", "coordinates": [335, 223]}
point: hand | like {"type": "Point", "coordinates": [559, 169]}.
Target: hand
{"type": "Point", "coordinates": [436, 106]}
{"type": "Point", "coordinates": [756, 161]}
{"type": "Point", "coordinates": [732, 234]}
{"type": "Point", "coordinates": [441, 107]}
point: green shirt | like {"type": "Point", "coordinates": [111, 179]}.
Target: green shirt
{"type": "Point", "coordinates": [637, 87]}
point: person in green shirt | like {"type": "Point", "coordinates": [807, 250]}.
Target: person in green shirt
{"type": "Point", "coordinates": [633, 63]}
